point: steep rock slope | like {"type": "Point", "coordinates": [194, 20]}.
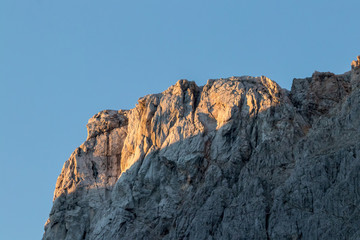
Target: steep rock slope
{"type": "Point", "coordinates": [239, 158]}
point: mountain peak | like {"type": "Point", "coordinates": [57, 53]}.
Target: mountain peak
{"type": "Point", "coordinates": [239, 157]}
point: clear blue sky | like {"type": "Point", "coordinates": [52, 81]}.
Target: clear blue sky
{"type": "Point", "coordinates": [63, 61]}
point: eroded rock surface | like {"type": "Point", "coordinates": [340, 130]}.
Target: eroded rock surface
{"type": "Point", "coordinates": [238, 158]}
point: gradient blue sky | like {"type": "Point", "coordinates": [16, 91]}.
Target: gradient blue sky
{"type": "Point", "coordinates": [63, 61]}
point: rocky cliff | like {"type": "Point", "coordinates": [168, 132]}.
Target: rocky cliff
{"type": "Point", "coordinates": [238, 158]}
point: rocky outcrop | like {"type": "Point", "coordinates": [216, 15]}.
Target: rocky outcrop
{"type": "Point", "coordinates": [356, 63]}
{"type": "Point", "coordinates": [238, 158]}
{"type": "Point", "coordinates": [315, 96]}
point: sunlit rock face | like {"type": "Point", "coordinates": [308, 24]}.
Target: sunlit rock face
{"type": "Point", "coordinates": [238, 158]}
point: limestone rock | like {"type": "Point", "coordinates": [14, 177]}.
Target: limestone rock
{"type": "Point", "coordinates": [355, 73]}
{"type": "Point", "coordinates": [106, 121]}
{"type": "Point", "coordinates": [238, 158]}
{"type": "Point", "coordinates": [314, 96]}
{"type": "Point", "coordinates": [356, 63]}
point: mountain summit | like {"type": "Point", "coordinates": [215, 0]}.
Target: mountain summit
{"type": "Point", "coordinates": [238, 158]}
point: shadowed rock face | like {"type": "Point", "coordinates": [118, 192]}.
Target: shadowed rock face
{"type": "Point", "coordinates": [238, 158]}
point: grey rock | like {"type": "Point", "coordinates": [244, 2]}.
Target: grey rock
{"type": "Point", "coordinates": [238, 158]}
